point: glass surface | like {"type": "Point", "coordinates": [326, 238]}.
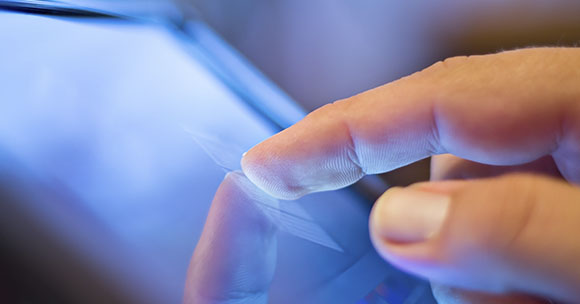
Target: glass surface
{"type": "Point", "coordinates": [102, 108]}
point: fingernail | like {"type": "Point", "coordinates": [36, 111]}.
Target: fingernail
{"type": "Point", "coordinates": [406, 215]}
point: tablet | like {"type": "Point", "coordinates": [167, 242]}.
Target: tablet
{"type": "Point", "coordinates": [105, 190]}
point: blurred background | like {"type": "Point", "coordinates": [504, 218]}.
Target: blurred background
{"type": "Point", "coordinates": [90, 109]}
{"type": "Point", "coordinates": [327, 50]}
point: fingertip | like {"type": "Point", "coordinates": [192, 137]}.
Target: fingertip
{"type": "Point", "coordinates": [404, 226]}
{"type": "Point", "coordinates": [269, 174]}
{"type": "Point", "coordinates": [238, 190]}
{"type": "Point", "coordinates": [494, 237]}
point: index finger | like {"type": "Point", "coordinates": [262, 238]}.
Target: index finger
{"type": "Point", "coordinates": [503, 109]}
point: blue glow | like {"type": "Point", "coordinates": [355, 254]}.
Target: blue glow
{"type": "Point", "coordinates": [100, 109]}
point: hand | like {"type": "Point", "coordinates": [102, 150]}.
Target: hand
{"type": "Point", "coordinates": [513, 111]}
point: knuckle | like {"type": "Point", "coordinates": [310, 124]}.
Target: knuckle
{"type": "Point", "coordinates": [327, 111]}
{"type": "Point", "coordinates": [448, 64]}
{"type": "Point", "coordinates": [455, 61]}
{"type": "Point", "coordinates": [444, 71]}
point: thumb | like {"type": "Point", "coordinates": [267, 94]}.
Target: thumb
{"type": "Point", "coordinates": [511, 234]}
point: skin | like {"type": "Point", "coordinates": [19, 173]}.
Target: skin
{"type": "Point", "coordinates": [504, 127]}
